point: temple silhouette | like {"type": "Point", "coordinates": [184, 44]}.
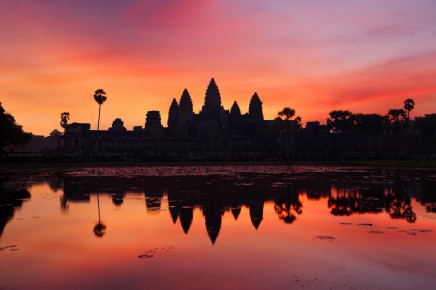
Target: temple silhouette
{"type": "Point", "coordinates": [213, 133]}
{"type": "Point", "coordinates": [219, 134]}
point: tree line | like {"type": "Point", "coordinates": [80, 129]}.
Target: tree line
{"type": "Point", "coordinates": [393, 133]}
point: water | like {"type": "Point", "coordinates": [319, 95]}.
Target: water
{"type": "Point", "coordinates": [218, 228]}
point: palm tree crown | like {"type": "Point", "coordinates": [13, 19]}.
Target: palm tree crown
{"type": "Point", "coordinates": [409, 104]}
{"type": "Point", "coordinates": [286, 114]}
{"type": "Point", "coordinates": [100, 96]}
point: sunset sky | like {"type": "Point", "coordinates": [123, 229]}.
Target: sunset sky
{"type": "Point", "coordinates": [313, 55]}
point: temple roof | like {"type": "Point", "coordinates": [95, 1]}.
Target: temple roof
{"type": "Point", "coordinates": [235, 110]}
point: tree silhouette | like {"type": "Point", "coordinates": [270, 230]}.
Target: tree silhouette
{"type": "Point", "coordinates": [65, 117]}
{"type": "Point", "coordinates": [288, 126]}
{"type": "Point", "coordinates": [288, 207]}
{"type": "Point", "coordinates": [100, 98]}
{"type": "Point", "coordinates": [409, 104]}
{"type": "Point", "coordinates": [427, 126]}
{"type": "Point", "coordinates": [369, 125]}
{"type": "Point", "coordinates": [55, 133]}
{"type": "Point", "coordinates": [397, 120]}
{"type": "Point", "coordinates": [12, 134]}
{"type": "Point", "coordinates": [340, 121]}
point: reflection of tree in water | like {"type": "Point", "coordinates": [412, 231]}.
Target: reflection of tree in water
{"type": "Point", "coordinates": [64, 203]}
{"type": "Point", "coordinates": [287, 205]}
{"type": "Point", "coordinates": [348, 201]}
{"type": "Point", "coordinates": [99, 228]}
{"type": "Point", "coordinates": [345, 202]}
{"type": "Point", "coordinates": [55, 183]}
{"type": "Point", "coordinates": [10, 200]}
{"type": "Point", "coordinates": [397, 201]}
{"type": "Point", "coordinates": [400, 209]}
{"type": "Point", "coordinates": [216, 196]}
{"type": "Point", "coordinates": [118, 198]}
{"type": "Point", "coordinates": [397, 205]}
{"type": "Point", "coordinates": [428, 200]}
{"type": "Point", "coordinates": [430, 207]}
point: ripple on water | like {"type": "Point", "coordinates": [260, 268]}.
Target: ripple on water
{"type": "Point", "coordinates": [325, 238]}
{"type": "Point", "coordinates": [206, 170]}
{"type": "Point", "coordinates": [11, 248]}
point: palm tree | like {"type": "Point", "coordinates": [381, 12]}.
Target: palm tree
{"type": "Point", "coordinates": [288, 125]}
{"type": "Point", "coordinates": [397, 120]}
{"type": "Point", "coordinates": [99, 228]}
{"type": "Point", "coordinates": [65, 117]}
{"type": "Point", "coordinates": [100, 98]}
{"type": "Point", "coordinates": [409, 104]}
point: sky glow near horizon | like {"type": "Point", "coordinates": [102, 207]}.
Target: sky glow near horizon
{"type": "Point", "coordinates": [314, 56]}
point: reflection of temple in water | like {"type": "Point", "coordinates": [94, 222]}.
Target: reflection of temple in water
{"type": "Point", "coordinates": [216, 196]}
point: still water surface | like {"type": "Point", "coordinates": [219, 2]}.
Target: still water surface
{"type": "Point", "coordinates": [218, 228]}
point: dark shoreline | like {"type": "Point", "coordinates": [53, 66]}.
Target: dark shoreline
{"type": "Point", "coordinates": [60, 167]}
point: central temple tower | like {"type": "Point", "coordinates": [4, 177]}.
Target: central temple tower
{"type": "Point", "coordinates": [212, 108]}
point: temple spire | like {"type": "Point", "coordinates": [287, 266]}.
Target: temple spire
{"type": "Point", "coordinates": [173, 114]}
{"type": "Point", "coordinates": [185, 106]}
{"type": "Point", "coordinates": [212, 100]}
{"type": "Point", "coordinates": [235, 111]}
{"type": "Point", "coordinates": [255, 108]}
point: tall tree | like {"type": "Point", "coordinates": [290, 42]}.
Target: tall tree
{"type": "Point", "coordinates": [100, 98]}
{"type": "Point", "coordinates": [397, 124]}
{"type": "Point", "coordinates": [409, 104]}
{"type": "Point", "coordinates": [368, 125]}
{"type": "Point", "coordinates": [340, 121]}
{"type": "Point", "coordinates": [11, 134]}
{"type": "Point", "coordinates": [427, 127]}
{"type": "Point", "coordinates": [397, 120]}
{"type": "Point", "coordinates": [65, 117]}
{"type": "Point", "coordinates": [55, 133]}
{"type": "Point", "coordinates": [288, 125]}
